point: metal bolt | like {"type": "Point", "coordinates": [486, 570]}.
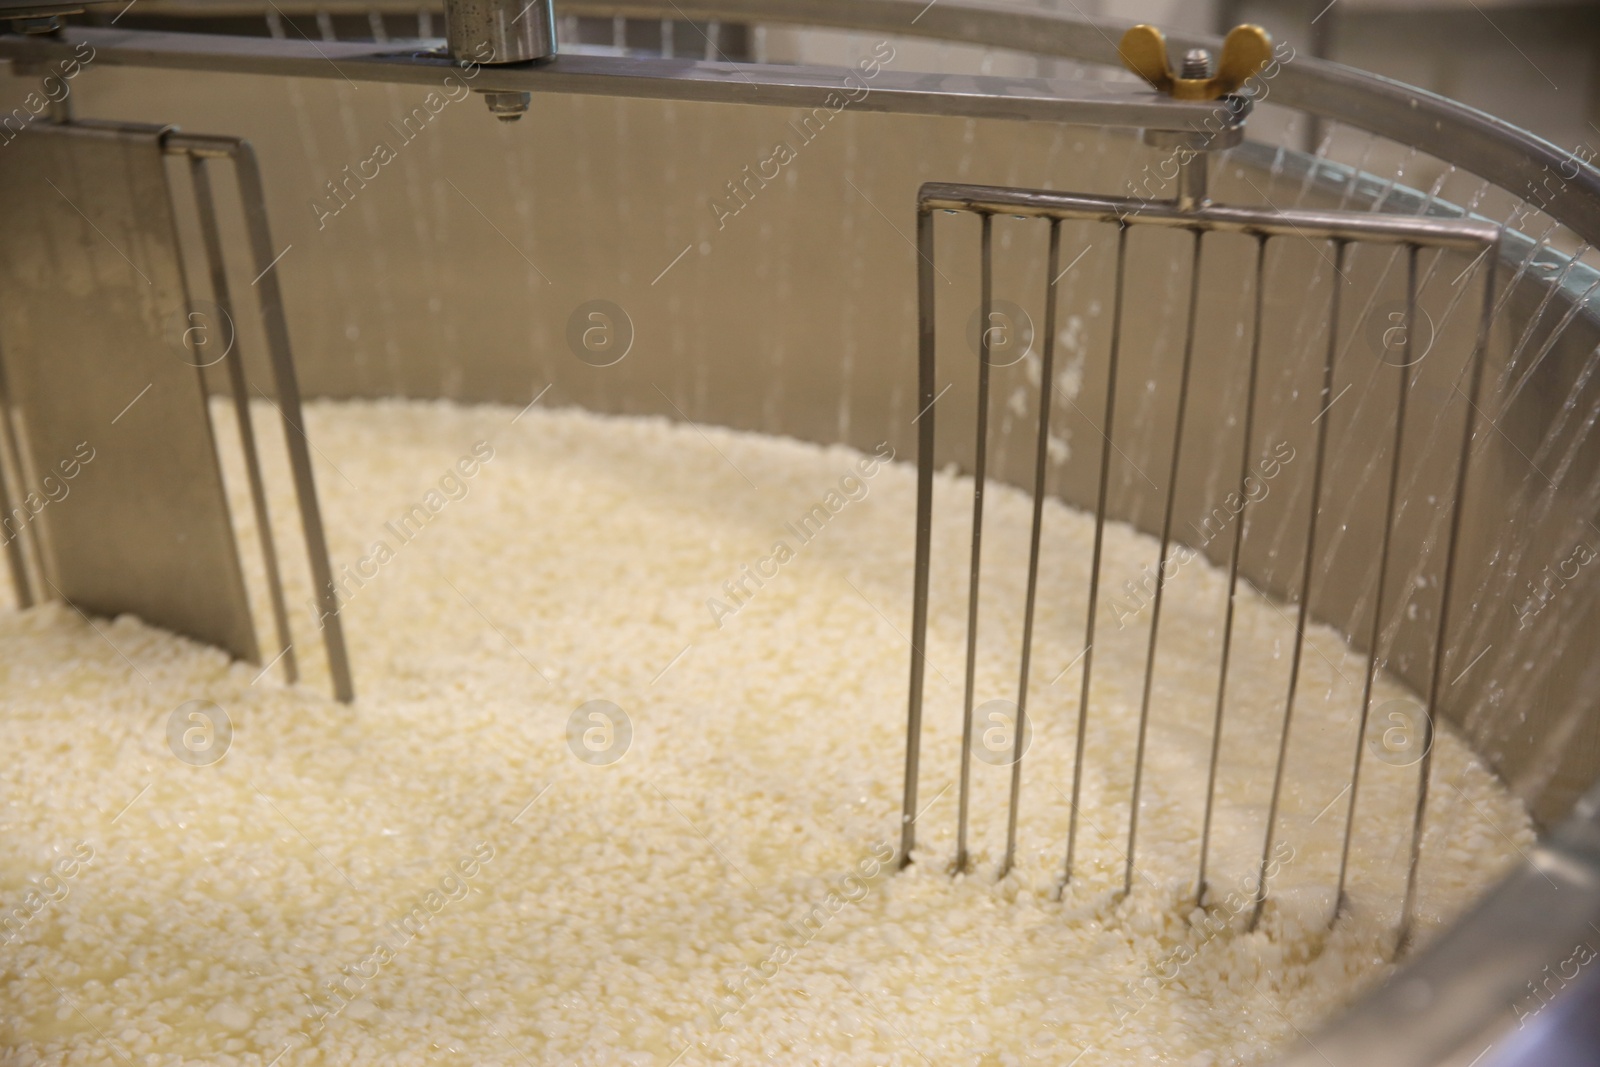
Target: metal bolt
{"type": "Point", "coordinates": [508, 107]}
{"type": "Point", "coordinates": [1196, 64]}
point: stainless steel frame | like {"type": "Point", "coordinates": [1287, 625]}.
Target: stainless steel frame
{"type": "Point", "coordinates": [150, 533]}
{"type": "Point", "coordinates": [1477, 142]}
{"type": "Point", "coordinates": [1083, 102]}
{"type": "Point", "coordinates": [1462, 234]}
{"type": "Point", "coordinates": [1340, 229]}
{"type": "Point", "coordinates": [1531, 458]}
{"type": "Point", "coordinates": [92, 377]}
{"type": "Point", "coordinates": [501, 31]}
{"type": "Point", "coordinates": [200, 149]}
{"type": "Point", "coordinates": [1473, 140]}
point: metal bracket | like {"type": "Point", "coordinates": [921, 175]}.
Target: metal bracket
{"type": "Point", "coordinates": [499, 33]}
{"type": "Point", "coordinates": [1245, 52]}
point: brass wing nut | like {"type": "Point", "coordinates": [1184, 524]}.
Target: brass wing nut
{"type": "Point", "coordinates": [1245, 52]}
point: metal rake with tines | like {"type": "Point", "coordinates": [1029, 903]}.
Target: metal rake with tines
{"type": "Point", "coordinates": [1189, 211]}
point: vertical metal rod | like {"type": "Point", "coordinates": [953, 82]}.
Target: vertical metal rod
{"type": "Point", "coordinates": [1245, 454]}
{"type": "Point", "coordinates": [1468, 431]}
{"type": "Point", "coordinates": [926, 369]}
{"type": "Point", "coordinates": [1376, 633]}
{"type": "Point", "coordinates": [1040, 462]}
{"type": "Point", "coordinates": [979, 472]}
{"type": "Point", "coordinates": [1192, 181]}
{"type": "Point", "coordinates": [1340, 247]}
{"type": "Point", "coordinates": [15, 557]}
{"type": "Point", "coordinates": [253, 199]}
{"type": "Point", "coordinates": [240, 390]}
{"type": "Point", "coordinates": [1106, 428]}
{"type": "Point", "coordinates": [1161, 564]}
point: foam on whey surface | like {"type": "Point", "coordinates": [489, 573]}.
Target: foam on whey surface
{"type": "Point", "coordinates": [457, 870]}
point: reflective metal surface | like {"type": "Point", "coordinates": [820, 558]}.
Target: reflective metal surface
{"type": "Point", "coordinates": [1339, 231]}
{"type": "Point", "coordinates": [285, 396]}
{"type": "Point", "coordinates": [1311, 225]}
{"type": "Point", "coordinates": [216, 270]}
{"type": "Point", "coordinates": [500, 31]}
{"type": "Point", "coordinates": [1509, 986]}
{"type": "Point", "coordinates": [132, 514]}
{"type": "Point", "coordinates": [1477, 142]}
{"type": "Point", "coordinates": [796, 315]}
{"type": "Point", "coordinates": [1086, 102]}
{"type": "Point", "coordinates": [97, 312]}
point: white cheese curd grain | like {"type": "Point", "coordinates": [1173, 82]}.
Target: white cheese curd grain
{"type": "Point", "coordinates": [433, 875]}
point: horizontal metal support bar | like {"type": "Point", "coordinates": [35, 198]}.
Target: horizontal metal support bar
{"type": "Point", "coordinates": [1465, 234]}
{"type": "Point", "coordinates": [202, 145]}
{"type": "Point", "coordinates": [1567, 187]}
{"type": "Point", "coordinates": [1083, 102]}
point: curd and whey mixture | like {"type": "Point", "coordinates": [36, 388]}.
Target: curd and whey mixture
{"type": "Point", "coordinates": [475, 864]}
